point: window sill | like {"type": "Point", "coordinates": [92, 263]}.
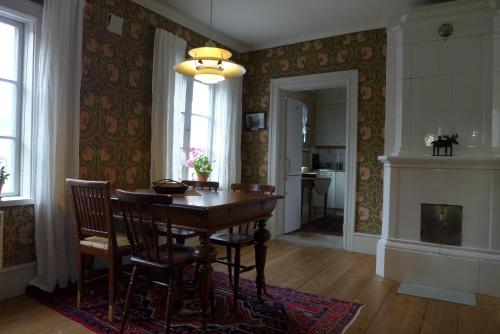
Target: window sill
{"type": "Point", "coordinates": [15, 201]}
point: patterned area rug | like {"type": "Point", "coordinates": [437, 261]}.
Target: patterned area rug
{"type": "Point", "coordinates": [287, 311]}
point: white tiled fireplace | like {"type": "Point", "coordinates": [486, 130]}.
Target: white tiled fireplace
{"type": "Point", "coordinates": [453, 84]}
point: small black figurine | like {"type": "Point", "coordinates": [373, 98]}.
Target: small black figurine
{"type": "Point", "coordinates": [447, 142]}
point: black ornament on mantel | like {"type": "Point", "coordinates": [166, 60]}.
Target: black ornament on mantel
{"type": "Point", "coordinates": [445, 142]}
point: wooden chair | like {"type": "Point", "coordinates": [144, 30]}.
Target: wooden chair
{"type": "Point", "coordinates": [238, 239]}
{"type": "Point", "coordinates": [142, 214]}
{"type": "Point", "coordinates": [181, 235]}
{"type": "Point", "coordinates": [96, 235]}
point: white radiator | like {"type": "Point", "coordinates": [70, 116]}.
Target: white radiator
{"type": "Point", "coordinates": [1, 240]}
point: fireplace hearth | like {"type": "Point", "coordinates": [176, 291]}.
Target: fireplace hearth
{"type": "Point", "coordinates": [441, 224]}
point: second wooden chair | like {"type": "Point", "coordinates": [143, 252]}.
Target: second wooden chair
{"type": "Point", "coordinates": [181, 235]}
{"type": "Point", "coordinates": [96, 235]}
{"type": "Point", "coordinates": [243, 237]}
{"type": "Point", "coordinates": [143, 214]}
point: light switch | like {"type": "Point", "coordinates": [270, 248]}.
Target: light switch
{"type": "Point", "coordinates": [115, 24]}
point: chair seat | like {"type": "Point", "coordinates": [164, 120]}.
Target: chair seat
{"type": "Point", "coordinates": [178, 232]}
{"type": "Point", "coordinates": [236, 239]}
{"type": "Point", "coordinates": [181, 256]}
{"type": "Point", "coordinates": [102, 243]}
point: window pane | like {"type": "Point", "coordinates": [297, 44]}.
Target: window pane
{"type": "Point", "coordinates": [200, 134]}
{"type": "Point", "coordinates": [201, 99]}
{"type": "Point", "coordinates": [7, 159]}
{"type": "Point", "coordinates": [9, 36]}
{"type": "Point", "coordinates": [8, 107]}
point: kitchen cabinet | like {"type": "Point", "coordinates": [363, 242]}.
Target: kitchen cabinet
{"type": "Point", "coordinates": [330, 125]}
{"type": "Point", "coordinates": [336, 192]}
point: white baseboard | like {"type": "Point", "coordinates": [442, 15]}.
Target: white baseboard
{"type": "Point", "coordinates": [13, 280]}
{"type": "Point", "coordinates": [365, 243]}
{"type": "Point", "coordinates": [452, 296]}
{"type": "Point", "coordinates": [441, 266]}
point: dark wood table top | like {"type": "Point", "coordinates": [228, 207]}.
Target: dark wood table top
{"type": "Point", "coordinates": [210, 211]}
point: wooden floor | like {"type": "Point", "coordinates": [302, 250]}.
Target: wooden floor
{"type": "Point", "coordinates": [342, 275]}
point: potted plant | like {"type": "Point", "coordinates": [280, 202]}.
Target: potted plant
{"type": "Point", "coordinates": [200, 163]}
{"type": "Point", "coordinates": [3, 177]}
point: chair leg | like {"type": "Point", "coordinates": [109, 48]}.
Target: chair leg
{"type": "Point", "coordinates": [229, 258]}
{"type": "Point", "coordinates": [196, 274]}
{"type": "Point", "coordinates": [212, 303]}
{"type": "Point", "coordinates": [128, 300]}
{"type": "Point", "coordinates": [180, 282]}
{"type": "Point", "coordinates": [81, 278]}
{"type": "Point", "coordinates": [237, 269]}
{"type": "Point", "coordinates": [169, 307]}
{"type": "Point", "coordinates": [113, 263]}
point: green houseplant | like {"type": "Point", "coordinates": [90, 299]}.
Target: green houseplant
{"type": "Point", "coordinates": [3, 177]}
{"type": "Point", "coordinates": [200, 163]}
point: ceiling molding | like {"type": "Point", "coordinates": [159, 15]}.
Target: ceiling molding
{"type": "Point", "coordinates": [318, 35]}
{"type": "Point", "coordinates": [23, 7]}
{"type": "Point", "coordinates": [173, 15]}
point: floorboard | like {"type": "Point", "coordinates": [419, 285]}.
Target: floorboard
{"type": "Point", "coordinates": [324, 271]}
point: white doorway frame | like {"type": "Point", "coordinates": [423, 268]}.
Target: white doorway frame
{"type": "Point", "coordinates": [277, 140]}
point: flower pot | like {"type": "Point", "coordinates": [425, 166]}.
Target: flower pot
{"type": "Point", "coordinates": [202, 178]}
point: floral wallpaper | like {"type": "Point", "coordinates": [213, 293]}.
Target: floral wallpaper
{"type": "Point", "coordinates": [115, 115]}
{"type": "Point", "coordinates": [18, 235]}
{"type": "Point", "coordinates": [363, 51]}
{"type": "Point", "coordinates": [115, 132]}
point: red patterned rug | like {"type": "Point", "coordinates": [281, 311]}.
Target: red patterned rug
{"type": "Point", "coordinates": [287, 311]}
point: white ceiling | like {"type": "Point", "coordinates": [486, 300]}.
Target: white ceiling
{"type": "Point", "coordinates": [257, 24]}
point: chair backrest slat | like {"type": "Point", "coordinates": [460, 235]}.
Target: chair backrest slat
{"type": "Point", "coordinates": [92, 206]}
{"type": "Point", "coordinates": [142, 213]}
{"type": "Point", "coordinates": [250, 188]}
{"type": "Point", "coordinates": [253, 188]}
{"type": "Point", "coordinates": [208, 185]}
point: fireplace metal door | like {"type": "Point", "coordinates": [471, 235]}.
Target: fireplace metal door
{"type": "Point", "coordinates": [441, 224]}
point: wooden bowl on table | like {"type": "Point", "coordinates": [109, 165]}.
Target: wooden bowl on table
{"type": "Point", "coordinates": [169, 186]}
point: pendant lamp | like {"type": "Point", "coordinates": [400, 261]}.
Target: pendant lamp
{"type": "Point", "coordinates": [209, 64]}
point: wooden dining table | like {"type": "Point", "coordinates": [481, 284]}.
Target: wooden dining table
{"type": "Point", "coordinates": [210, 211]}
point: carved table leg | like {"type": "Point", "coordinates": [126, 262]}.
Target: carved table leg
{"type": "Point", "coordinates": [261, 235]}
{"type": "Point", "coordinates": [205, 254]}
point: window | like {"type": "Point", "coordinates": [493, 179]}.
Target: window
{"type": "Point", "coordinates": [19, 33]}
{"type": "Point", "coordinates": [198, 124]}
{"type": "Point", "coordinates": [11, 100]}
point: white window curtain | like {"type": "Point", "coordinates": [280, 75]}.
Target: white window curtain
{"type": "Point", "coordinates": [227, 133]}
{"type": "Point", "coordinates": [169, 98]}
{"type": "Point", "coordinates": [56, 148]}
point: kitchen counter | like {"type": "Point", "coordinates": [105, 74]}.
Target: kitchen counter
{"type": "Point", "coordinates": [314, 173]}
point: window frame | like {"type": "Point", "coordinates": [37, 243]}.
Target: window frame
{"type": "Point", "coordinates": [188, 113]}
{"type": "Point", "coordinates": [30, 15]}
{"type": "Point", "coordinates": [19, 83]}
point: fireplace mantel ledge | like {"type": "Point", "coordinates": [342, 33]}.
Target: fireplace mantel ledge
{"type": "Point", "coordinates": [440, 162]}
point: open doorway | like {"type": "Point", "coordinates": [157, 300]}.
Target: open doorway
{"type": "Point", "coordinates": [313, 156]}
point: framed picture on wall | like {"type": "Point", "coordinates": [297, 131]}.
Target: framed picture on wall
{"type": "Point", "coordinates": [255, 121]}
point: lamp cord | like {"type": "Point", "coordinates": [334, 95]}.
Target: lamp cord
{"type": "Point", "coordinates": [211, 18]}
